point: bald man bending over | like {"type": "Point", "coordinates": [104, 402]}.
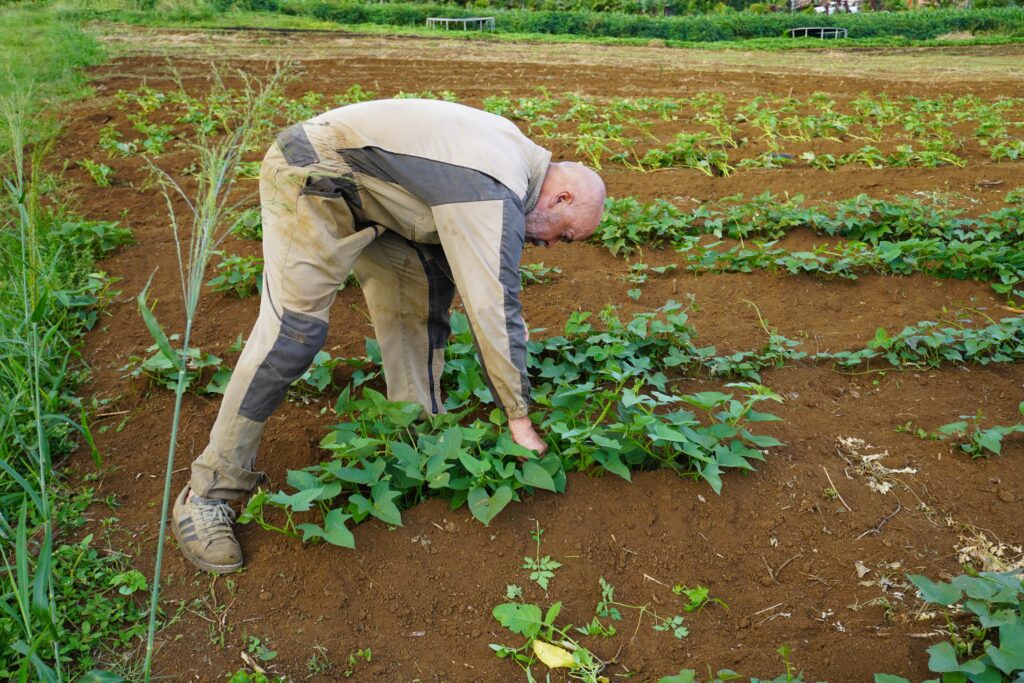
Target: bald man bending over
{"type": "Point", "coordinates": [418, 198]}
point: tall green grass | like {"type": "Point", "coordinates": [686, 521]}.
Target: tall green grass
{"type": "Point", "coordinates": [49, 585]}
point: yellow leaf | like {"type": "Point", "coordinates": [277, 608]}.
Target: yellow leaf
{"type": "Point", "coordinates": [552, 655]}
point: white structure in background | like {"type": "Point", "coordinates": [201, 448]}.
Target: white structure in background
{"type": "Point", "coordinates": [827, 6]}
{"type": "Point", "coordinates": [838, 7]}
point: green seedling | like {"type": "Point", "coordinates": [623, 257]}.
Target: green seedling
{"type": "Point", "coordinates": [538, 273]}
{"type": "Point", "coordinates": [976, 441]}
{"type": "Point", "coordinates": [639, 273]}
{"type": "Point", "coordinates": [163, 370]}
{"type": "Point", "coordinates": [248, 225]}
{"type": "Point", "coordinates": [256, 647]}
{"type": "Point", "coordinates": [697, 597]}
{"type": "Point", "coordinates": [609, 608]}
{"type": "Point", "coordinates": [156, 135]}
{"type": "Point", "coordinates": [111, 143]}
{"type": "Point", "coordinates": [363, 655]}
{"type": "Point", "coordinates": [238, 275]}
{"type": "Point", "coordinates": [101, 174]}
{"type": "Point", "coordinates": [319, 663]}
{"type": "Point", "coordinates": [542, 569]}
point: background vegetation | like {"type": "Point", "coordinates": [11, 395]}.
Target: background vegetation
{"type": "Point", "coordinates": [61, 597]}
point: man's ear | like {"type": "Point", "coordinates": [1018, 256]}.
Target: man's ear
{"type": "Point", "coordinates": [564, 197]}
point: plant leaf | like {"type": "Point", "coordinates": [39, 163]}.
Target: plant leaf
{"type": "Point", "coordinates": [942, 659]}
{"type": "Point", "coordinates": [155, 330]}
{"type": "Point", "coordinates": [535, 475]}
{"type": "Point", "coordinates": [485, 507]}
{"type": "Point", "coordinates": [938, 593]}
{"type": "Point", "coordinates": [553, 656]}
{"type": "Point", "coordinates": [522, 619]}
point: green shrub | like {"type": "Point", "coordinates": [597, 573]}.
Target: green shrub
{"type": "Point", "coordinates": [921, 25]}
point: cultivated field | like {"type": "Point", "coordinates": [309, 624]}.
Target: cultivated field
{"type": "Point", "coordinates": [792, 204]}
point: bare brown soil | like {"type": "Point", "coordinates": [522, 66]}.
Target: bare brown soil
{"type": "Point", "coordinates": [779, 547]}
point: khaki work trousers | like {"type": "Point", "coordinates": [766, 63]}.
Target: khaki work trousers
{"type": "Point", "coordinates": [310, 245]}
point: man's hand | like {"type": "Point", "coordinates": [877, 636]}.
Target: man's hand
{"type": "Point", "coordinates": [526, 436]}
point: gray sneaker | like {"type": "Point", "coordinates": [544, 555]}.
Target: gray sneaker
{"type": "Point", "coordinates": [203, 529]}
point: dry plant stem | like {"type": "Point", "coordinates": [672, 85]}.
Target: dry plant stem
{"type": "Point", "coordinates": [838, 495]}
{"type": "Point", "coordinates": [218, 162]}
{"type": "Point", "coordinates": [878, 529]}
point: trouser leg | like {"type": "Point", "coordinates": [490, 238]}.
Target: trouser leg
{"type": "Point", "coordinates": [309, 246]}
{"type": "Point", "coordinates": [409, 291]}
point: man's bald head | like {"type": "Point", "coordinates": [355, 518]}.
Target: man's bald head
{"type": "Point", "coordinates": [570, 205]}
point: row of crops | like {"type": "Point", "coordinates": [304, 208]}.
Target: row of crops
{"type": "Point", "coordinates": [702, 132]}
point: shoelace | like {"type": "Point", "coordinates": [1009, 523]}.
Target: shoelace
{"type": "Point", "coordinates": [214, 520]}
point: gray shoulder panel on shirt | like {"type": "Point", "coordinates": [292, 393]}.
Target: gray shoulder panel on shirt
{"type": "Point", "coordinates": [296, 147]}
{"type": "Point", "coordinates": [434, 182]}
{"type": "Point", "coordinates": [513, 230]}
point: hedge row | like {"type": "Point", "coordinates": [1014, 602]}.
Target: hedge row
{"type": "Point", "coordinates": [919, 25]}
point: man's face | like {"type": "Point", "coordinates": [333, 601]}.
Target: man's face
{"type": "Point", "coordinates": [544, 228]}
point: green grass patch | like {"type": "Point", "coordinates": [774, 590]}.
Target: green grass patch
{"type": "Point", "coordinates": [64, 601]}
{"type": "Point", "coordinates": [43, 54]}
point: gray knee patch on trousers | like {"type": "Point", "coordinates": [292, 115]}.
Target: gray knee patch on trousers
{"type": "Point", "coordinates": [297, 344]}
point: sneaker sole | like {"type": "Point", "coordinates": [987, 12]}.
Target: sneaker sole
{"type": "Point", "coordinates": [200, 562]}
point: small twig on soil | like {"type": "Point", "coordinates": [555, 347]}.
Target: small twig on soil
{"type": "Point", "coordinates": [783, 566]}
{"type": "Point", "coordinates": [762, 611]}
{"type": "Point", "coordinates": [651, 578]}
{"type": "Point", "coordinates": [878, 529]}
{"type": "Point", "coordinates": [838, 495]}
{"type": "Point", "coordinates": [251, 663]}
{"type": "Point", "coordinates": [120, 412]}
{"type": "Point", "coordinates": [771, 572]}
{"type": "Point", "coordinates": [817, 578]}
{"type": "Point", "coordinates": [772, 617]}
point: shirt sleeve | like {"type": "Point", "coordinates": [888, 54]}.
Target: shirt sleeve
{"type": "Point", "coordinates": [483, 242]}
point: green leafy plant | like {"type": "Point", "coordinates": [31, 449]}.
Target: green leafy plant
{"type": "Point", "coordinates": [365, 655]}
{"type": "Point", "coordinates": [162, 367]}
{"type": "Point", "coordinates": [542, 569]}
{"type": "Point", "coordinates": [1011, 150]}
{"type": "Point", "coordinates": [976, 441]}
{"type": "Point", "coordinates": [248, 225]}
{"type": "Point", "coordinates": [239, 275]}
{"type": "Point", "coordinates": [101, 174]}
{"type": "Point", "coordinates": [545, 641]}
{"type": "Point", "coordinates": [991, 646]}
{"type": "Point", "coordinates": [607, 409]}
{"type": "Point", "coordinates": [538, 273]}
{"type": "Point", "coordinates": [255, 646]}
{"type": "Point", "coordinates": [110, 141]}
{"type": "Point", "coordinates": [697, 598]}
{"type": "Point", "coordinates": [609, 608]}
{"type": "Point", "coordinates": [554, 645]}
